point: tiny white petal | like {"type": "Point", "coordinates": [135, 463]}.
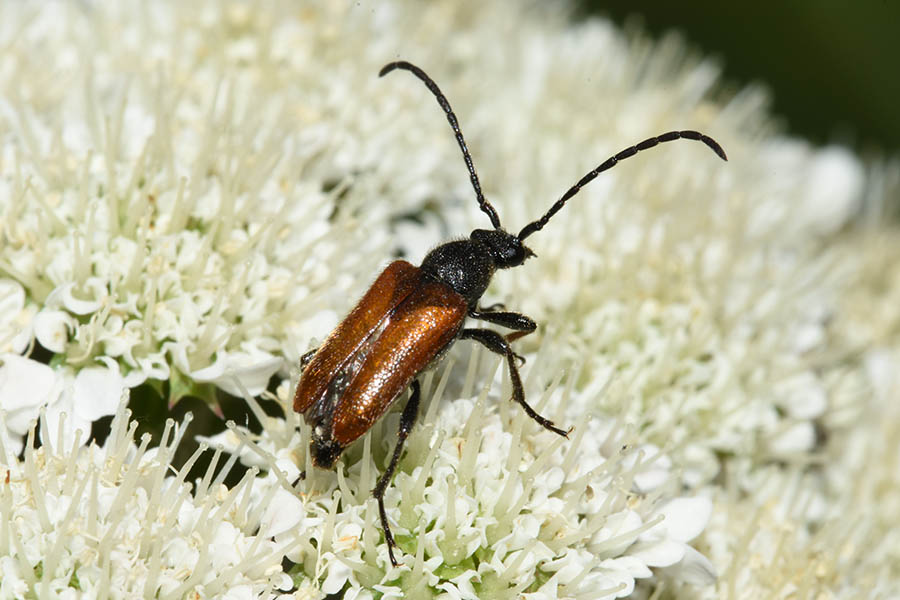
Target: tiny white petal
{"type": "Point", "coordinates": [882, 372]}
{"type": "Point", "coordinates": [12, 298]}
{"type": "Point", "coordinates": [803, 396]}
{"type": "Point", "coordinates": [797, 437]}
{"type": "Point", "coordinates": [621, 527]}
{"type": "Point", "coordinates": [25, 386]}
{"type": "Point", "coordinates": [64, 296]}
{"type": "Point", "coordinates": [16, 317]}
{"type": "Point", "coordinates": [660, 553]}
{"type": "Point", "coordinates": [337, 575]}
{"type": "Point", "coordinates": [809, 336]}
{"type": "Point", "coordinates": [285, 512]}
{"type": "Point", "coordinates": [683, 519]}
{"type": "Point", "coordinates": [239, 592]}
{"type": "Point", "coordinates": [654, 470]}
{"type": "Point", "coordinates": [252, 371]}
{"type": "Point", "coordinates": [97, 391]}
{"type": "Point", "coordinates": [51, 328]}
{"type": "Point", "coordinates": [632, 565]}
{"type": "Point", "coordinates": [694, 568]}
{"type": "Point", "coordinates": [74, 421]}
{"type": "Point", "coordinates": [614, 576]}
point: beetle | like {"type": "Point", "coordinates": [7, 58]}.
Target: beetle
{"type": "Point", "coordinates": [411, 315]}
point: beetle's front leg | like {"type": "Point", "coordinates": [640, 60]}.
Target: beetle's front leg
{"type": "Point", "coordinates": [519, 323]}
{"type": "Point", "coordinates": [407, 420]}
{"type": "Point", "coordinates": [495, 342]}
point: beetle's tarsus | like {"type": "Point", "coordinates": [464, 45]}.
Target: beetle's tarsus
{"type": "Point", "coordinates": [495, 342]}
{"type": "Point", "coordinates": [511, 337]}
{"type": "Point", "coordinates": [300, 478]}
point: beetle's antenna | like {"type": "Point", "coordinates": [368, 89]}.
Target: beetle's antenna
{"type": "Point", "coordinates": [613, 161]}
{"type": "Point", "coordinates": [442, 100]}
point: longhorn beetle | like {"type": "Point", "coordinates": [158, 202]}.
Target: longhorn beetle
{"type": "Point", "coordinates": [411, 315]}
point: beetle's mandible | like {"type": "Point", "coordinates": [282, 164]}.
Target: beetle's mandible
{"type": "Point", "coordinates": [411, 315]}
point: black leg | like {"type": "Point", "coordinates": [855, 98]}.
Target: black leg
{"type": "Point", "coordinates": [306, 357]}
{"type": "Point", "coordinates": [510, 320]}
{"type": "Point", "coordinates": [407, 420]}
{"type": "Point", "coordinates": [495, 342]}
{"type": "Point", "coordinates": [519, 323]}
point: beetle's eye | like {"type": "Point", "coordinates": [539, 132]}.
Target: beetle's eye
{"type": "Point", "coordinates": [518, 255]}
{"type": "Point", "coordinates": [506, 250]}
{"type": "Point", "coordinates": [511, 255]}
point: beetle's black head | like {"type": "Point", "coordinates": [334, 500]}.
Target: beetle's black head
{"type": "Point", "coordinates": [324, 452]}
{"type": "Point", "coordinates": [505, 249]}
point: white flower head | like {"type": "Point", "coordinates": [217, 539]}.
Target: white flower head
{"type": "Point", "coordinates": [193, 192]}
{"type": "Point", "coordinates": [120, 521]}
{"type": "Point", "coordinates": [195, 231]}
{"type": "Point", "coordinates": [480, 507]}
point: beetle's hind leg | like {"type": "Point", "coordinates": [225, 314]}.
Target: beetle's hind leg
{"type": "Point", "coordinates": [407, 420]}
{"type": "Point", "coordinates": [495, 342]}
{"type": "Point", "coordinates": [519, 323]}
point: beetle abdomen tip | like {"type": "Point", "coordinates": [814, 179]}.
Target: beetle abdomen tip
{"type": "Point", "coordinates": [325, 453]}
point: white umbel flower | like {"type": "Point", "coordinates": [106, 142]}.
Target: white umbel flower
{"type": "Point", "coordinates": [113, 521]}
{"type": "Point", "coordinates": [194, 192]}
{"type": "Point", "coordinates": [186, 235]}
{"type": "Point", "coordinates": [482, 508]}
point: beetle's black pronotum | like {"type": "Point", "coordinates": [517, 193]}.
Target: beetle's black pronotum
{"type": "Point", "coordinates": [411, 315]}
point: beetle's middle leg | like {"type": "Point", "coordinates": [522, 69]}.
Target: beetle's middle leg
{"type": "Point", "coordinates": [407, 420]}
{"type": "Point", "coordinates": [495, 342]}
{"type": "Point", "coordinates": [519, 323]}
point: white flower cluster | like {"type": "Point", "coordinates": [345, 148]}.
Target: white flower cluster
{"type": "Point", "coordinates": [112, 522]}
{"type": "Point", "coordinates": [173, 230]}
{"type": "Point", "coordinates": [192, 191]}
{"type": "Point", "coordinates": [482, 508]}
{"type": "Point", "coordinates": [699, 296]}
{"type": "Point", "coordinates": [823, 530]}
